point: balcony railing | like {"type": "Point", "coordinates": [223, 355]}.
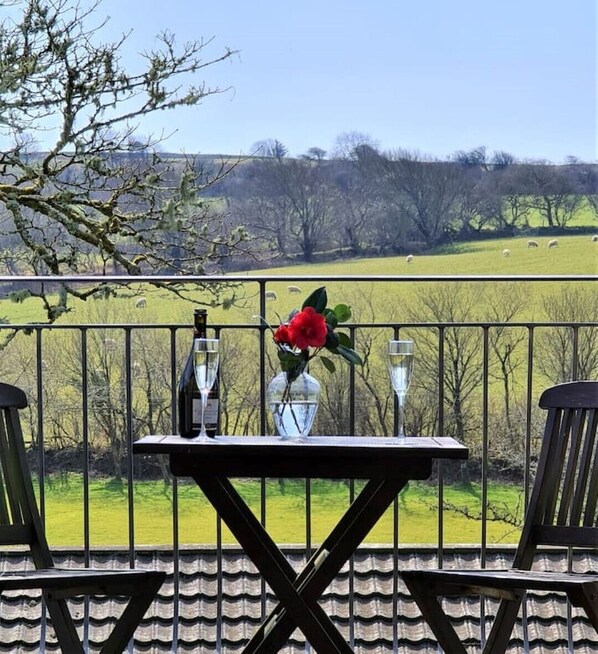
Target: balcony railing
{"type": "Point", "coordinates": [96, 385]}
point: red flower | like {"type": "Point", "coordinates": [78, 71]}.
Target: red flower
{"type": "Point", "coordinates": [283, 336]}
{"type": "Point", "coordinates": [308, 329]}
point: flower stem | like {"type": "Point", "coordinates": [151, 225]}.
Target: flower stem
{"type": "Point", "coordinates": [286, 399]}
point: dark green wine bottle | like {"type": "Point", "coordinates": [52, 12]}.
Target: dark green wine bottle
{"type": "Point", "coordinates": [189, 397]}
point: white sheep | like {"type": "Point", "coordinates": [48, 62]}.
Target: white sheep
{"type": "Point", "coordinates": [532, 244]}
{"type": "Point", "coordinates": [553, 243]}
{"type": "Point", "coordinates": [409, 258]}
{"type": "Point", "coordinates": [595, 238]}
{"type": "Point", "coordinates": [141, 303]}
{"type": "Point", "coordinates": [270, 295]}
{"type": "Point", "coordinates": [293, 289]}
{"type": "Point", "coordinates": [506, 252]}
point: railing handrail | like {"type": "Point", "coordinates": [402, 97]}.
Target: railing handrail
{"type": "Point", "coordinates": [266, 277]}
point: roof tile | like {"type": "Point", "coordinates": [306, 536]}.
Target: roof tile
{"type": "Point", "coordinates": [369, 616]}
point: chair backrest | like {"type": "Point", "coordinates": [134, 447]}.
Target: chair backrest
{"type": "Point", "coordinates": [20, 523]}
{"type": "Point", "coordinates": [562, 509]}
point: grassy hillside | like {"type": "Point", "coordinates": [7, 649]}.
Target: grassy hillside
{"type": "Point", "coordinates": [574, 255]}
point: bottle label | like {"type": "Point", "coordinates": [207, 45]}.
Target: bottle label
{"type": "Point", "coordinates": [211, 412]}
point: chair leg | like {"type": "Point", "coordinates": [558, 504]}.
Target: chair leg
{"type": "Point", "coordinates": [439, 622]}
{"type": "Point", "coordinates": [131, 617]}
{"type": "Point", "coordinates": [502, 627]}
{"type": "Point", "coordinates": [64, 626]}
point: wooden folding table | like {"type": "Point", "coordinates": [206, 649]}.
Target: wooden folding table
{"type": "Point", "coordinates": [386, 465]}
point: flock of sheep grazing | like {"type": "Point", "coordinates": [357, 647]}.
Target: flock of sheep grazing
{"type": "Point", "coordinates": [553, 243]}
{"type": "Point", "coordinates": [141, 302]}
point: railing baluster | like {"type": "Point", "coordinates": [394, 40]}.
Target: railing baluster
{"type": "Point", "coordinates": [86, 516]}
{"type": "Point", "coordinates": [40, 454]}
{"type": "Point", "coordinates": [176, 554]}
{"type": "Point", "coordinates": [575, 354]}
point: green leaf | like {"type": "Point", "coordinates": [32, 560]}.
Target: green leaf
{"type": "Point", "coordinates": [288, 359]}
{"type": "Point", "coordinates": [318, 300]}
{"type": "Point", "coordinates": [294, 372]}
{"type": "Point", "coordinates": [328, 364]}
{"type": "Point", "coordinates": [344, 340]}
{"type": "Point", "coordinates": [342, 312]}
{"type": "Point", "coordinates": [331, 318]}
{"type": "Point", "coordinates": [332, 340]}
{"type": "Point", "coordinates": [349, 355]}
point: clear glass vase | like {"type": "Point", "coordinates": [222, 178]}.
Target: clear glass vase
{"type": "Point", "coordinates": [294, 405]}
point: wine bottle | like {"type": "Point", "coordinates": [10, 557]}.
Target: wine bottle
{"type": "Point", "coordinates": [189, 398]}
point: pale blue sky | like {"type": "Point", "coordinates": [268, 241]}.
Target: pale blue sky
{"type": "Point", "coordinates": [432, 75]}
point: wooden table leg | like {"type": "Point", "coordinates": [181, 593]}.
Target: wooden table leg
{"type": "Point", "coordinates": [274, 567]}
{"type": "Point", "coordinates": [324, 565]}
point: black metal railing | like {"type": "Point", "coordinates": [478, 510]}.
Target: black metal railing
{"type": "Point", "coordinates": [89, 372]}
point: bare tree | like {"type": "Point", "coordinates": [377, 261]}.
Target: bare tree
{"type": "Point", "coordinates": [356, 209]}
{"type": "Point", "coordinates": [505, 304]}
{"type": "Point", "coordinates": [291, 199]}
{"type": "Point", "coordinates": [348, 144]}
{"type": "Point", "coordinates": [503, 198]}
{"type": "Point", "coordinates": [239, 387]}
{"type": "Point", "coordinates": [555, 350]}
{"type": "Point", "coordinates": [450, 304]}
{"type": "Point", "coordinates": [553, 192]}
{"type": "Point", "coordinates": [424, 192]}
{"type": "Point", "coordinates": [586, 176]}
{"type": "Point", "coordinates": [100, 194]}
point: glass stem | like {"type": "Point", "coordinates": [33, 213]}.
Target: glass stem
{"type": "Point", "coordinates": [400, 427]}
{"type": "Point", "coordinates": [204, 403]}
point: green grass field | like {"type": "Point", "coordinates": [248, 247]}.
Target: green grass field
{"type": "Point", "coordinates": [418, 513]}
{"type": "Point", "coordinates": [575, 255]}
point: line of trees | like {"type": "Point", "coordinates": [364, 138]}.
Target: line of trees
{"type": "Point", "coordinates": [365, 200]}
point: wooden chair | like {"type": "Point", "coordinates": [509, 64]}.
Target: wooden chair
{"type": "Point", "coordinates": [20, 524]}
{"type": "Point", "coordinates": [562, 512]}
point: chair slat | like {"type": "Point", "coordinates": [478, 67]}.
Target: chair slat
{"type": "Point", "coordinates": [15, 534]}
{"type": "Point", "coordinates": [11, 473]}
{"type": "Point", "coordinates": [11, 396]}
{"type": "Point", "coordinates": [4, 514]}
{"type": "Point", "coordinates": [555, 467]}
{"type": "Point", "coordinates": [584, 468]}
{"type": "Point", "coordinates": [566, 504]}
{"type": "Point", "coordinates": [590, 517]}
{"type": "Point", "coordinates": [567, 536]}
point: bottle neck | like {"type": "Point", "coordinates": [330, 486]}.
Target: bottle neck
{"type": "Point", "coordinates": [199, 324]}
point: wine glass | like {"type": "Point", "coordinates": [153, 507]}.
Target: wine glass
{"type": "Point", "coordinates": [400, 368]}
{"type": "Point", "coordinates": [206, 353]}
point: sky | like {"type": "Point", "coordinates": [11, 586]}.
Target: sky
{"type": "Point", "coordinates": [433, 76]}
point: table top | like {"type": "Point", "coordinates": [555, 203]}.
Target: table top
{"type": "Point", "coordinates": [336, 457]}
